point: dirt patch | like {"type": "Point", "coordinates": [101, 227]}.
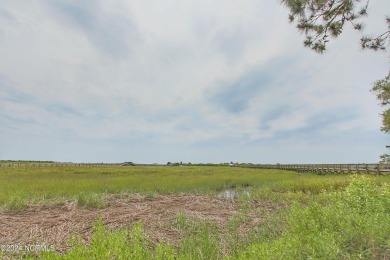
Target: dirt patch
{"type": "Point", "coordinates": [54, 225]}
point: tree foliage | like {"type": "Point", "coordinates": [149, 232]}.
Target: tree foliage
{"type": "Point", "coordinates": [321, 20]}
{"type": "Point", "coordinates": [384, 158]}
{"type": "Point", "coordinates": [381, 89]}
{"type": "Point", "coordinates": [378, 43]}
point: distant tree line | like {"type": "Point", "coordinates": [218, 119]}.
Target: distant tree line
{"type": "Point", "coordinates": [25, 161]}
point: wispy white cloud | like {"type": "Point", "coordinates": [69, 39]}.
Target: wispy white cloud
{"type": "Point", "coordinates": [179, 80]}
{"type": "Point", "coordinates": [108, 27]}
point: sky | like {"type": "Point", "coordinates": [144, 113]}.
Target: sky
{"type": "Point", "coordinates": [183, 80]}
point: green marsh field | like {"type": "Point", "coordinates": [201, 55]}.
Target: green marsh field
{"type": "Point", "coordinates": [193, 212]}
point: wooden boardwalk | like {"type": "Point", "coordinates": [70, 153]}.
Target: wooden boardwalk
{"type": "Point", "coordinates": [377, 169]}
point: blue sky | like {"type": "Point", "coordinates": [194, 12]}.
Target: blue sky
{"type": "Point", "coordinates": [191, 81]}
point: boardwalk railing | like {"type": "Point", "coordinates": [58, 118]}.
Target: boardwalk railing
{"type": "Point", "coordinates": [378, 169]}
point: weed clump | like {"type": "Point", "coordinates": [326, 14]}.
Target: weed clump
{"type": "Point", "coordinates": [91, 200]}
{"type": "Point", "coordinates": [114, 244]}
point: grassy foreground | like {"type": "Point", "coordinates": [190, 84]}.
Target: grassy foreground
{"type": "Point", "coordinates": [354, 223]}
{"type": "Point", "coordinates": [328, 217]}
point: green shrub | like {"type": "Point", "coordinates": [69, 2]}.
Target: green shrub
{"type": "Point", "coordinates": [354, 224]}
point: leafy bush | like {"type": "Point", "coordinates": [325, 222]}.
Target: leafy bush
{"type": "Point", "coordinates": [354, 224]}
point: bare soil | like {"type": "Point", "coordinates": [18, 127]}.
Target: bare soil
{"type": "Point", "coordinates": [54, 225]}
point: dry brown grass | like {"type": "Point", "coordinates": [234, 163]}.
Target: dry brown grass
{"type": "Point", "coordinates": [54, 225]}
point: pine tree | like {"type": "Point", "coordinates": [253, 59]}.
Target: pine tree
{"type": "Point", "coordinates": [321, 20]}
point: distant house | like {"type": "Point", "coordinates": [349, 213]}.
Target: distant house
{"type": "Point", "coordinates": [127, 164]}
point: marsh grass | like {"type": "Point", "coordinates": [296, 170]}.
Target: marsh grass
{"type": "Point", "coordinates": [350, 223]}
{"type": "Point", "coordinates": [322, 217]}
{"type": "Point", "coordinates": [181, 221]}
{"type": "Point", "coordinates": [92, 200]}
{"type": "Point", "coordinates": [21, 186]}
{"type": "Point", "coordinates": [200, 240]}
{"type": "Point", "coordinates": [113, 244]}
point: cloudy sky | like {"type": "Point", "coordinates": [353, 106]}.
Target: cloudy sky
{"type": "Point", "coordinates": [183, 80]}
